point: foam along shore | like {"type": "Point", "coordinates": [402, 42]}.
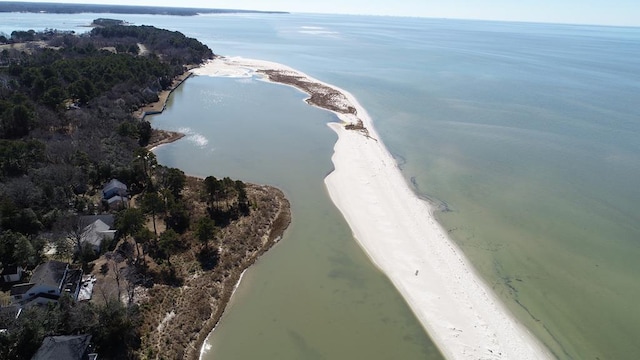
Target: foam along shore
{"type": "Point", "coordinates": [399, 233]}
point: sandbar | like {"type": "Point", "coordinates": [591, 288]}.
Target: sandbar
{"type": "Point", "coordinates": [398, 231]}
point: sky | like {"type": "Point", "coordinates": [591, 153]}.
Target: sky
{"type": "Point", "coordinates": [600, 12]}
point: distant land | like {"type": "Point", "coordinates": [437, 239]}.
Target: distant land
{"type": "Point", "coordinates": [55, 8]}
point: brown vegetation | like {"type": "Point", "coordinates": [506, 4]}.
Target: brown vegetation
{"type": "Point", "coordinates": [184, 299]}
{"type": "Point", "coordinates": [161, 137]}
{"type": "Point", "coordinates": [322, 95]}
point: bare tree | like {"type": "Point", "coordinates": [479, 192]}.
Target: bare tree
{"type": "Point", "coordinates": [115, 269]}
{"type": "Point", "coordinates": [132, 278]}
{"type": "Point", "coordinates": [70, 229]}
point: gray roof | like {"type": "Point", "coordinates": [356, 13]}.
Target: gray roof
{"type": "Point", "coordinates": [21, 289]}
{"type": "Point", "coordinates": [96, 232]}
{"type": "Point", "coordinates": [72, 283]}
{"type": "Point", "coordinates": [64, 347]}
{"type": "Point", "coordinates": [116, 198]}
{"type": "Point", "coordinates": [50, 273]}
{"type": "Point", "coordinates": [114, 185]}
{"type": "Point", "coordinates": [108, 219]}
{"type": "Point", "coordinates": [9, 270]}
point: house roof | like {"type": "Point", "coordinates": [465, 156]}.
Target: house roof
{"type": "Point", "coordinates": [114, 184]}
{"type": "Point", "coordinates": [113, 188]}
{"type": "Point", "coordinates": [108, 219]}
{"type": "Point", "coordinates": [37, 299]}
{"type": "Point", "coordinates": [10, 270]}
{"type": "Point", "coordinates": [64, 347]}
{"type": "Point", "coordinates": [21, 289]}
{"type": "Point", "coordinates": [116, 198]}
{"type": "Point", "coordinates": [98, 226]}
{"type": "Point", "coordinates": [95, 232]}
{"type": "Point", "coordinates": [50, 273]}
{"type": "Point", "coordinates": [72, 282]}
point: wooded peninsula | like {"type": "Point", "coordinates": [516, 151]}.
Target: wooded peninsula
{"type": "Point", "coordinates": [99, 241]}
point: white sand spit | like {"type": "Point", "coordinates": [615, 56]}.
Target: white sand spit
{"type": "Point", "coordinates": [399, 233]}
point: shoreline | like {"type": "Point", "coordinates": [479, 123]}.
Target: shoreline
{"type": "Point", "coordinates": [203, 347]}
{"type": "Point", "coordinates": [277, 227]}
{"type": "Point", "coordinates": [161, 137]}
{"type": "Point", "coordinates": [398, 231]}
{"type": "Point", "coordinates": [196, 316]}
{"type": "Point", "coordinates": [163, 96]}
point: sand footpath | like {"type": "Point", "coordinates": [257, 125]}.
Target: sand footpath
{"type": "Point", "coordinates": [399, 233]}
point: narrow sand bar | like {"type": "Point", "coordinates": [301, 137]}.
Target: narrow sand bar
{"type": "Point", "coordinates": [398, 230]}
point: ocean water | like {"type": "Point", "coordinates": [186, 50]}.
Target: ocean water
{"type": "Point", "coordinates": [525, 136]}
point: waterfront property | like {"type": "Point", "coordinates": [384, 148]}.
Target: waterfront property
{"type": "Point", "coordinates": [49, 281]}
{"type": "Point", "coordinates": [113, 188]}
{"type": "Point", "coordinates": [76, 347]}
{"type": "Point", "coordinates": [115, 194]}
{"type": "Point", "coordinates": [95, 230]}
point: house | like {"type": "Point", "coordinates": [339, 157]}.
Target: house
{"type": "Point", "coordinates": [48, 282]}
{"type": "Point", "coordinates": [69, 347]}
{"type": "Point", "coordinates": [11, 274]}
{"type": "Point", "coordinates": [114, 188]}
{"type": "Point", "coordinates": [117, 202]}
{"type": "Point", "coordinates": [96, 229]}
{"type": "Point", "coordinates": [114, 194]}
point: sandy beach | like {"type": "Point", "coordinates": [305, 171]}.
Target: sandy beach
{"type": "Point", "coordinates": [398, 231]}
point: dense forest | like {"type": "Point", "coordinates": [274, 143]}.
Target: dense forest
{"type": "Point", "coordinates": [66, 128]}
{"type": "Point", "coordinates": [65, 114]}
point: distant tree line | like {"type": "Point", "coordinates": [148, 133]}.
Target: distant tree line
{"type": "Point", "coordinates": [13, 6]}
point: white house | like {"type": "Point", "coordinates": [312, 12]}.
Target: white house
{"type": "Point", "coordinates": [48, 282]}
{"type": "Point", "coordinates": [96, 229]}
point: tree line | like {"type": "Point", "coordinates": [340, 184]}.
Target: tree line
{"type": "Point", "coordinates": [66, 128]}
{"type": "Point", "coordinates": [56, 8]}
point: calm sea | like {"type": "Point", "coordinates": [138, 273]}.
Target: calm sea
{"type": "Point", "coordinates": [528, 135]}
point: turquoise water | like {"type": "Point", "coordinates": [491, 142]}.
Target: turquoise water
{"type": "Point", "coordinates": [527, 134]}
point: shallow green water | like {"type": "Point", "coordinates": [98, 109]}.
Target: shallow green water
{"type": "Point", "coordinates": [555, 238]}
{"type": "Point", "coordinates": [315, 295]}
